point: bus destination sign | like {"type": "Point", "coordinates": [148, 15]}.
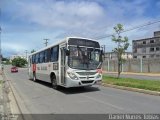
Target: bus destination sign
{"type": "Point", "coordinates": [83, 42]}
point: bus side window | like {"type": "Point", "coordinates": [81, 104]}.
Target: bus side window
{"type": "Point", "coordinates": [48, 55]}
{"type": "Point", "coordinates": [33, 59]}
{"type": "Point", "coordinates": [44, 52]}
{"type": "Point", "coordinates": [54, 54]}
{"type": "Point", "coordinates": [51, 56]}
{"type": "Point", "coordinates": [37, 58]}
{"type": "Point", "coordinates": [41, 57]}
{"type": "Point", "coordinates": [45, 56]}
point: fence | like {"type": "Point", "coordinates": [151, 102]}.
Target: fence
{"type": "Point", "coordinates": [145, 65]}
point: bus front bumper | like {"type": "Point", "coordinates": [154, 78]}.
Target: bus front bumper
{"type": "Point", "coordinates": [81, 83]}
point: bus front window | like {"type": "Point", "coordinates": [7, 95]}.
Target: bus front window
{"type": "Point", "coordinates": [84, 58]}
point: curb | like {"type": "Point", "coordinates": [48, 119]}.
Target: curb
{"type": "Point", "coordinates": [132, 89]}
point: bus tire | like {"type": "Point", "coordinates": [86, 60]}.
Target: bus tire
{"type": "Point", "coordinates": [34, 77]}
{"type": "Point", "coordinates": [54, 82]}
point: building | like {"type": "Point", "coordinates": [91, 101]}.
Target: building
{"type": "Point", "coordinates": [113, 55]}
{"type": "Point", "coordinates": [148, 47]}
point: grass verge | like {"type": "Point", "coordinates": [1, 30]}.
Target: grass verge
{"type": "Point", "coordinates": [134, 83]}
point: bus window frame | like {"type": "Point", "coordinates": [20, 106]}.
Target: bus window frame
{"type": "Point", "coordinates": [54, 54]}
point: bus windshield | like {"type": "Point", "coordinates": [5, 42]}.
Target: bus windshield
{"type": "Point", "coordinates": [84, 58]}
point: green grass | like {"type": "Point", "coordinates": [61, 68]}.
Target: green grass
{"type": "Point", "coordinates": [134, 83]}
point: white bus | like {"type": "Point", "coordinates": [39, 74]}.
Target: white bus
{"type": "Point", "coordinates": [74, 62]}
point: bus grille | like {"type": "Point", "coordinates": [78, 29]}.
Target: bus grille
{"type": "Point", "coordinates": [86, 73]}
{"type": "Point", "coordinates": [86, 77]}
{"type": "Point", "coordinates": [85, 82]}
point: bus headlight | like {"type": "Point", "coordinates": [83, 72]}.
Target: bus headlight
{"type": "Point", "coordinates": [72, 76]}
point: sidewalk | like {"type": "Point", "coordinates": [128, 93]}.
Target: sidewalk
{"type": "Point", "coordinates": [7, 105]}
{"type": "Point", "coordinates": [4, 100]}
{"type": "Point", "coordinates": [131, 73]}
{"type": "Point", "coordinates": [1, 96]}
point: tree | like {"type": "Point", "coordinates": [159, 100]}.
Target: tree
{"type": "Point", "coordinates": [19, 62]}
{"type": "Point", "coordinates": [32, 51]}
{"type": "Point", "coordinates": [5, 61]}
{"type": "Point", "coordinates": [122, 45]}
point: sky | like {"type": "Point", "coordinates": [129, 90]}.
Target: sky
{"type": "Point", "coordinates": [26, 23]}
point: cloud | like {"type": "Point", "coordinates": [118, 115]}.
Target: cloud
{"type": "Point", "coordinates": [158, 4]}
{"type": "Point", "coordinates": [61, 14]}
{"type": "Point", "coordinates": [72, 17]}
{"type": "Point", "coordinates": [14, 46]}
{"type": "Point", "coordinates": [31, 21]}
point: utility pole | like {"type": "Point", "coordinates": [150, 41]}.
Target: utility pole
{"type": "Point", "coordinates": [46, 42]}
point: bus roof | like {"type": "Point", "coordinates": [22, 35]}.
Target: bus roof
{"type": "Point", "coordinates": [62, 41]}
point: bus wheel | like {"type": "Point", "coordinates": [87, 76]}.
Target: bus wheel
{"type": "Point", "coordinates": [34, 77]}
{"type": "Point", "coordinates": [54, 82]}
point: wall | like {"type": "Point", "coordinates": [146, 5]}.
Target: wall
{"type": "Point", "coordinates": [146, 65]}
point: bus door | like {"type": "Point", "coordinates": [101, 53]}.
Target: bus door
{"type": "Point", "coordinates": [62, 63]}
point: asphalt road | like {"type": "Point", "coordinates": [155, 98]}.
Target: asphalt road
{"type": "Point", "coordinates": [40, 98]}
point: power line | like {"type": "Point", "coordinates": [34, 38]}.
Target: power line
{"type": "Point", "coordinates": [136, 27]}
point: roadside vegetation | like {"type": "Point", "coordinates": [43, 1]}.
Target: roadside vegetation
{"type": "Point", "coordinates": [19, 62]}
{"type": "Point", "coordinates": [134, 83]}
{"type": "Point", "coordinates": [122, 45]}
{"type": "Point", "coordinates": [6, 61]}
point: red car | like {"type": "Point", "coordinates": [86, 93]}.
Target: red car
{"type": "Point", "coordinates": [14, 69]}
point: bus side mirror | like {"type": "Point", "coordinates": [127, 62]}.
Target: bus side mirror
{"type": "Point", "coordinates": [67, 52]}
{"type": "Point", "coordinates": [101, 52]}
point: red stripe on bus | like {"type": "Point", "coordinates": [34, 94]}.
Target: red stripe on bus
{"type": "Point", "coordinates": [34, 67]}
